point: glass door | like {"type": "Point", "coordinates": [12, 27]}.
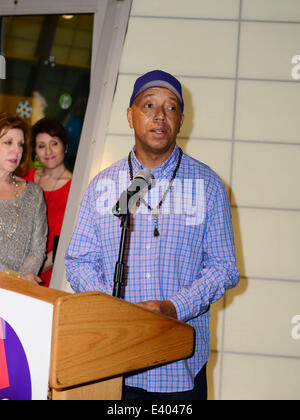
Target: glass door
{"type": "Point", "coordinates": [48, 66]}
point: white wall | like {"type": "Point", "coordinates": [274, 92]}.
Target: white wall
{"type": "Point", "coordinates": [242, 105]}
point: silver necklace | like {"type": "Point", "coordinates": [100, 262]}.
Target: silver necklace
{"type": "Point", "coordinates": [9, 234]}
{"type": "Point", "coordinates": [56, 182]}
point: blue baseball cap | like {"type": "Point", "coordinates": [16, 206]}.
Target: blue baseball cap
{"type": "Point", "coordinates": [157, 78]}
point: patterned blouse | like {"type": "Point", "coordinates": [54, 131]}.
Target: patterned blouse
{"type": "Point", "coordinates": [23, 231]}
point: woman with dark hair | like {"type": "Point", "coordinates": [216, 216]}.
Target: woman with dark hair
{"type": "Point", "coordinates": [23, 223]}
{"type": "Point", "coordinates": [50, 144]}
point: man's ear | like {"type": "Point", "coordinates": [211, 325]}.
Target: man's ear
{"type": "Point", "coordinates": [181, 122]}
{"type": "Point", "coordinates": [129, 117]}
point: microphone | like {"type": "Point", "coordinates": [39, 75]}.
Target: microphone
{"type": "Point", "coordinates": [143, 180]}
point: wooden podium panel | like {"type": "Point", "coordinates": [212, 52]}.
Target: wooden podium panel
{"type": "Point", "coordinates": [97, 338]}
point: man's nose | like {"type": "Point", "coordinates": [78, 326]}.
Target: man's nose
{"type": "Point", "coordinates": [160, 115]}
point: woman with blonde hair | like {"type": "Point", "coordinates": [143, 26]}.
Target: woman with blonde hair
{"type": "Point", "coordinates": [23, 222]}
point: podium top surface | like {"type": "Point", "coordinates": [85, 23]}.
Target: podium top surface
{"type": "Point", "coordinates": [29, 289]}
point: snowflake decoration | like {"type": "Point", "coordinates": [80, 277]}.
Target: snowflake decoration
{"type": "Point", "coordinates": [24, 109]}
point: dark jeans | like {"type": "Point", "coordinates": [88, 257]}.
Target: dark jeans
{"type": "Point", "coordinates": [199, 392]}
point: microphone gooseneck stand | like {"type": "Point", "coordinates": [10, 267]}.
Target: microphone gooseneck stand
{"type": "Point", "coordinates": [122, 210]}
{"type": "Point", "coordinates": [120, 264]}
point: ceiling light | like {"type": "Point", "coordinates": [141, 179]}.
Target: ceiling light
{"type": "Point", "coordinates": [67, 16]}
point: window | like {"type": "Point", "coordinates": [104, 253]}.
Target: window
{"type": "Point", "coordinates": [48, 66]}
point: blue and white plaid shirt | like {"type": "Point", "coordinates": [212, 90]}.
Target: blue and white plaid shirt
{"type": "Point", "coordinates": [191, 263]}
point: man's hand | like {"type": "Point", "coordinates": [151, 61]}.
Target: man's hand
{"type": "Point", "coordinates": [164, 307]}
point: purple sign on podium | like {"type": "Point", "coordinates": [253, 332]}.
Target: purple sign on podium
{"type": "Point", "coordinates": [15, 380]}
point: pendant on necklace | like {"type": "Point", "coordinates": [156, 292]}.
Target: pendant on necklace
{"type": "Point", "coordinates": [156, 232]}
{"type": "Point", "coordinates": [155, 213]}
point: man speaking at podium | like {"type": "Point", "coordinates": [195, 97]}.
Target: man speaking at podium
{"type": "Point", "coordinates": [180, 257]}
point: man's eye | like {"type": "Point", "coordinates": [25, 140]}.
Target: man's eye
{"type": "Point", "coordinates": [148, 106]}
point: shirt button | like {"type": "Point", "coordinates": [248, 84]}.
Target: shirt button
{"type": "Point", "coordinates": [148, 247]}
{"type": "Point", "coordinates": [148, 276]}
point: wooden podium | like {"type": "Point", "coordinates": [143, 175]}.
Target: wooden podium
{"type": "Point", "coordinates": [97, 338]}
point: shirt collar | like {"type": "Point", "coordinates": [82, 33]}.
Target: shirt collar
{"type": "Point", "coordinates": [162, 171]}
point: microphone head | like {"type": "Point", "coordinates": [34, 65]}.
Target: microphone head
{"type": "Point", "coordinates": [142, 181]}
{"type": "Point", "coordinates": [146, 176]}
